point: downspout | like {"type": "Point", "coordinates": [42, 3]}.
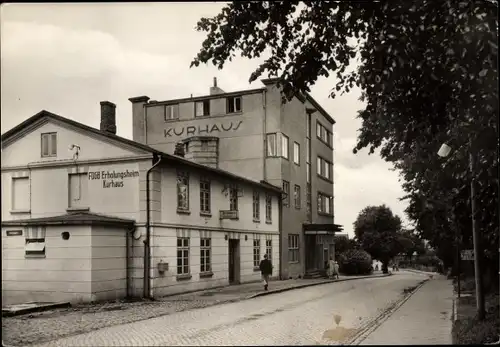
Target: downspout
{"type": "Point", "coordinates": [264, 134]}
{"type": "Point", "coordinates": [147, 248]}
{"type": "Point", "coordinates": [280, 230]}
{"type": "Point", "coordinates": [128, 234]}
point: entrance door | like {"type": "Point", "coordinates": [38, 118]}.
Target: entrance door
{"type": "Point", "coordinates": [234, 261]}
{"type": "Point", "coordinates": [310, 244]}
{"type": "Point", "coordinates": [325, 255]}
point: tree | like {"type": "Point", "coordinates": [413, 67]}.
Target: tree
{"type": "Point", "coordinates": [343, 244]}
{"type": "Point", "coordinates": [428, 74]}
{"type": "Point", "coordinates": [378, 232]}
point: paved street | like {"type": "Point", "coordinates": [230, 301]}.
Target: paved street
{"type": "Point", "coordinates": [303, 316]}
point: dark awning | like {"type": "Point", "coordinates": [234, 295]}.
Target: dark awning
{"type": "Point", "coordinates": [317, 229]}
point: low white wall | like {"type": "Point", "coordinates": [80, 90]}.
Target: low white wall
{"type": "Point", "coordinates": [64, 274]}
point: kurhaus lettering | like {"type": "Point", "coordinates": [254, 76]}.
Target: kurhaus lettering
{"type": "Point", "coordinates": [112, 179]}
{"type": "Point", "coordinates": [202, 129]}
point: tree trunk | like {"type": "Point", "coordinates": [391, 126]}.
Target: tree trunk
{"type": "Point", "coordinates": [385, 266]}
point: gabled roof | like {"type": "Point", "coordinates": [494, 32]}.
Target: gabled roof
{"type": "Point", "coordinates": [46, 114]}
{"type": "Point", "coordinates": [165, 156]}
{"type": "Point", "coordinates": [76, 218]}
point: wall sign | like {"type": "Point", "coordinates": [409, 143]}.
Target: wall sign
{"type": "Point", "coordinates": [113, 179]}
{"type": "Point", "coordinates": [14, 232]}
{"type": "Point", "coordinates": [202, 129]}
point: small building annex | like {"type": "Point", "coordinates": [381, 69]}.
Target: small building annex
{"type": "Point", "coordinates": [88, 215]}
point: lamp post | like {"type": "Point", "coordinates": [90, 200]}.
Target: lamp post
{"type": "Point", "coordinates": [444, 151]}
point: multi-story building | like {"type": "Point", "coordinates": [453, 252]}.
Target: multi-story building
{"type": "Point", "coordinates": [88, 215]}
{"type": "Point", "coordinates": [253, 133]}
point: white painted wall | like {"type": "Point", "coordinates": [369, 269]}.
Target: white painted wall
{"type": "Point", "coordinates": [164, 248]}
{"type": "Point", "coordinates": [63, 275]}
{"type": "Point", "coordinates": [109, 263]}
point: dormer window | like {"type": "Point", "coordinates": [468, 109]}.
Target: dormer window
{"type": "Point", "coordinates": [234, 104]}
{"type": "Point", "coordinates": [49, 145]}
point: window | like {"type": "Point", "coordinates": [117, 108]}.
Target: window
{"type": "Point", "coordinates": [308, 173]}
{"type": "Point", "coordinates": [293, 248]}
{"type": "Point", "coordinates": [308, 203]}
{"type": "Point", "coordinates": [323, 134]}
{"type": "Point", "coordinates": [202, 108]}
{"type": "Point", "coordinates": [234, 104]}
{"type": "Point", "coordinates": [325, 204]}
{"type": "Point", "coordinates": [182, 191]}
{"type": "Point", "coordinates": [269, 208]}
{"type": "Point", "coordinates": [205, 251]}
{"type": "Point", "coordinates": [35, 241]}
{"type": "Point", "coordinates": [269, 249]}
{"type": "Point", "coordinates": [286, 189]}
{"type": "Point", "coordinates": [272, 148]}
{"type": "Point", "coordinates": [204, 196]}
{"type": "Point", "coordinates": [308, 125]}
{"type": "Point", "coordinates": [78, 191]}
{"type": "Point", "coordinates": [284, 146]}
{"type": "Point", "coordinates": [256, 206]}
{"type": "Point", "coordinates": [182, 255]}
{"type": "Point", "coordinates": [324, 168]}
{"type": "Point", "coordinates": [204, 145]}
{"type": "Point", "coordinates": [171, 112]}
{"type": "Point", "coordinates": [308, 150]}
{"type": "Point", "coordinates": [20, 193]}
{"type": "Point", "coordinates": [256, 251]}
{"type": "Point", "coordinates": [296, 196]}
{"type": "Point", "coordinates": [296, 153]}
{"type": "Point", "coordinates": [186, 147]}
{"type": "Point", "coordinates": [233, 199]}
{"type": "Point", "coordinates": [49, 144]}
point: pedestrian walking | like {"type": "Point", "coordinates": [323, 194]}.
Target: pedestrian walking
{"type": "Point", "coordinates": [266, 269]}
{"type": "Point", "coordinates": [336, 269]}
{"type": "Point", "coordinates": [331, 268]}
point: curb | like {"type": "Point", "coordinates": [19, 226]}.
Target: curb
{"type": "Point", "coordinates": [41, 308]}
{"type": "Point", "coordinates": [373, 325]}
{"type": "Point", "coordinates": [276, 291]}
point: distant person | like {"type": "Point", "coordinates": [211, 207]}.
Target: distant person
{"type": "Point", "coordinates": [331, 268]}
{"type": "Point", "coordinates": [336, 269]}
{"type": "Point", "coordinates": [266, 269]}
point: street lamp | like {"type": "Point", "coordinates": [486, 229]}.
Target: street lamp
{"type": "Point", "coordinates": [444, 151]}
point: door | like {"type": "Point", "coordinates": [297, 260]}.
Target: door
{"type": "Point", "coordinates": [233, 261]}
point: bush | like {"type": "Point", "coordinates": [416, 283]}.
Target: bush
{"type": "Point", "coordinates": [355, 262]}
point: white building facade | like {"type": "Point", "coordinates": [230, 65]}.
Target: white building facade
{"type": "Point", "coordinates": [75, 226]}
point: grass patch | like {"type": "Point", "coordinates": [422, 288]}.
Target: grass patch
{"type": "Point", "coordinates": [467, 329]}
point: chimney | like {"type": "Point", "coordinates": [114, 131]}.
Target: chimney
{"type": "Point", "coordinates": [216, 90]}
{"type": "Point", "coordinates": [179, 149]}
{"type": "Point", "coordinates": [108, 117]}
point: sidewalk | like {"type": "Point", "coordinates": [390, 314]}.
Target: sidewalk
{"type": "Point", "coordinates": [48, 325]}
{"type": "Point", "coordinates": [425, 319]}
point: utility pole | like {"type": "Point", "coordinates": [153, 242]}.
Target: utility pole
{"type": "Point", "coordinates": [475, 237]}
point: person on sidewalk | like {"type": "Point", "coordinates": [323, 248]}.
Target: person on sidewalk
{"type": "Point", "coordinates": [331, 268]}
{"type": "Point", "coordinates": [336, 269]}
{"type": "Point", "coordinates": [266, 269]}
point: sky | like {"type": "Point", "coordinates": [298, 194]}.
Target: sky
{"type": "Point", "coordinates": [66, 58]}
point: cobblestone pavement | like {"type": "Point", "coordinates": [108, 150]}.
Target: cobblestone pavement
{"type": "Point", "coordinates": [49, 325]}
{"type": "Point", "coordinates": [303, 316]}
{"type": "Point", "coordinates": [425, 319]}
